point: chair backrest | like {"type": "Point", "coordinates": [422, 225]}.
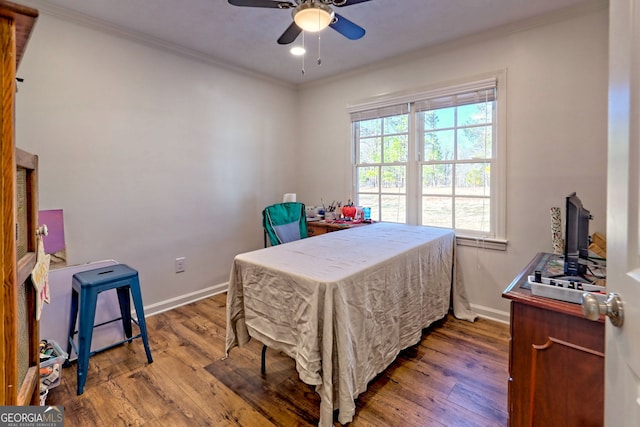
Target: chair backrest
{"type": "Point", "coordinates": [284, 222]}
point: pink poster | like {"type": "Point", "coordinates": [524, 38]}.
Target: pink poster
{"type": "Point", "coordinates": [54, 241]}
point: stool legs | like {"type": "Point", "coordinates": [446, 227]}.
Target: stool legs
{"type": "Point", "coordinates": [137, 302]}
{"type": "Point", "coordinates": [72, 320]}
{"type": "Point", "coordinates": [125, 309]}
{"type": "Point", "coordinates": [85, 333]}
{"type": "Point", "coordinates": [84, 298]}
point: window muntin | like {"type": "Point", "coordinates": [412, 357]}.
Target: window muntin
{"type": "Point", "coordinates": [381, 166]}
{"type": "Point", "coordinates": [457, 144]}
{"type": "Point", "coordinates": [448, 160]}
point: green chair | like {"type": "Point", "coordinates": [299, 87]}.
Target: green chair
{"type": "Point", "coordinates": [282, 223]}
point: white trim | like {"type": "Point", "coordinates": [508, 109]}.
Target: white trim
{"type": "Point", "coordinates": [492, 314]}
{"type": "Point", "coordinates": [482, 243]}
{"type": "Point", "coordinates": [179, 301]}
{"type": "Point", "coordinates": [499, 203]}
{"type": "Point", "coordinates": [173, 303]}
{"type": "Point", "coordinates": [96, 24]}
{"type": "Point", "coordinates": [367, 109]}
{"type": "Point", "coordinates": [435, 91]}
{"type": "Point", "coordinates": [583, 8]}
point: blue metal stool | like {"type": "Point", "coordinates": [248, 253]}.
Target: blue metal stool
{"type": "Point", "coordinates": [86, 286]}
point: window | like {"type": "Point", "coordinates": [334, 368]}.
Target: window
{"type": "Point", "coordinates": [433, 158]}
{"type": "Point", "coordinates": [381, 168]}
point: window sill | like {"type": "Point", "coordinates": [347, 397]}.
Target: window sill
{"type": "Point", "coordinates": [482, 243]}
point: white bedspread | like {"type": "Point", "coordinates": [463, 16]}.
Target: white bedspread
{"type": "Point", "coordinates": [344, 304]}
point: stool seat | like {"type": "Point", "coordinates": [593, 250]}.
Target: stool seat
{"type": "Point", "coordinates": [104, 275]}
{"type": "Point", "coordinates": [85, 288]}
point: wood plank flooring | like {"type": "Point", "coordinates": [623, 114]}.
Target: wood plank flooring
{"type": "Point", "coordinates": [456, 376]}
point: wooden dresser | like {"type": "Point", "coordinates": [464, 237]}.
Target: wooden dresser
{"type": "Point", "coordinates": [556, 360]}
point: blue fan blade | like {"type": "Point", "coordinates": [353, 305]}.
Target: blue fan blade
{"type": "Point", "coordinates": [262, 3]}
{"type": "Point", "coordinates": [347, 28]}
{"type": "Point", "coordinates": [350, 2]}
{"type": "Point", "coordinates": [290, 34]}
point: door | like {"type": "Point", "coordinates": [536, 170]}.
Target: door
{"type": "Point", "coordinates": [622, 347]}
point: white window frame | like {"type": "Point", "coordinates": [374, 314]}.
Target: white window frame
{"type": "Point", "coordinates": [497, 239]}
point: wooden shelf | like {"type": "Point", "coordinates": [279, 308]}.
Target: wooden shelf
{"type": "Point", "coordinates": [20, 365]}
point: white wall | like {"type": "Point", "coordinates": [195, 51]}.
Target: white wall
{"type": "Point", "coordinates": [152, 156]}
{"type": "Point", "coordinates": [556, 132]}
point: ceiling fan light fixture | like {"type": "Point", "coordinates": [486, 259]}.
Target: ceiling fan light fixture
{"type": "Point", "coordinates": [313, 17]}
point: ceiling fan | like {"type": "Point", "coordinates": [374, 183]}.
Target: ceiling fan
{"type": "Point", "coordinates": [310, 15]}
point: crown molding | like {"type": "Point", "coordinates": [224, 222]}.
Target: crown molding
{"type": "Point", "coordinates": [584, 8]}
{"type": "Point", "coordinates": [92, 23]}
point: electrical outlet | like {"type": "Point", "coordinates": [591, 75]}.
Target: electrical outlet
{"type": "Point", "coordinates": [180, 265]}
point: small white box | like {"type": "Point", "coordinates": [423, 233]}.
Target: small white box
{"type": "Point", "coordinates": [563, 293]}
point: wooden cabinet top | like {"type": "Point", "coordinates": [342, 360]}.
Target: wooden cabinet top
{"type": "Point", "coordinates": [517, 293]}
{"type": "Point", "coordinates": [24, 18]}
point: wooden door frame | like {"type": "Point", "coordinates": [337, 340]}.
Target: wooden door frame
{"type": "Point", "coordinates": [8, 301]}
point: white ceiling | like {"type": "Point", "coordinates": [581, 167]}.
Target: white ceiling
{"type": "Point", "coordinates": [246, 37]}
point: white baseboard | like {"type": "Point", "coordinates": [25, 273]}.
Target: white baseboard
{"type": "Point", "coordinates": [181, 300]}
{"type": "Point", "coordinates": [491, 313]}
{"type": "Point", "coordinates": [162, 306]}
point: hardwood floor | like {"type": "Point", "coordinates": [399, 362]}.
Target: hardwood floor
{"type": "Point", "coordinates": [456, 376]}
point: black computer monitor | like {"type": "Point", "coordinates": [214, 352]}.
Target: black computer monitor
{"type": "Point", "coordinates": [576, 237]}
